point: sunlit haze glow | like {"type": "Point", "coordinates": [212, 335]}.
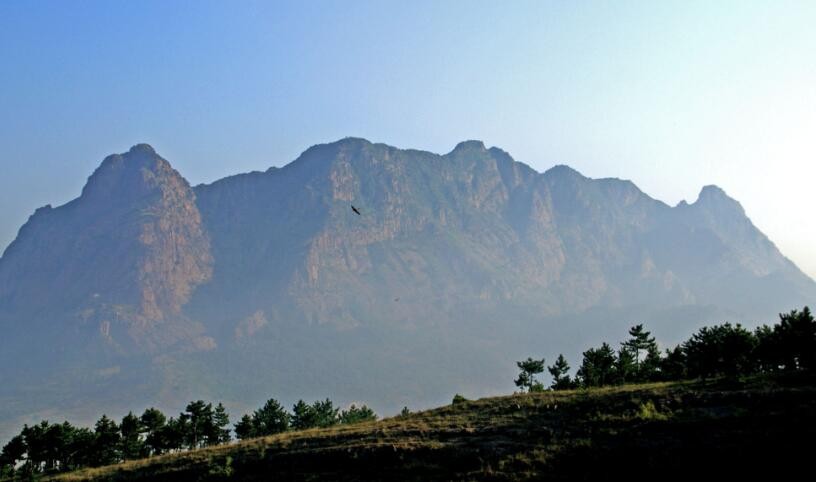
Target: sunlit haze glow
{"type": "Point", "coordinates": [672, 95]}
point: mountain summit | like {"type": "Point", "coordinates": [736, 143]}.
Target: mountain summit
{"type": "Point", "coordinates": [266, 283]}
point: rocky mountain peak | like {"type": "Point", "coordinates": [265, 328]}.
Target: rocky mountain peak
{"type": "Point", "coordinates": [714, 199]}
{"type": "Point", "coordinates": [133, 173]}
{"type": "Point", "coordinates": [465, 147]}
{"type": "Point", "coordinates": [131, 247]}
{"type": "Point", "coordinates": [562, 171]}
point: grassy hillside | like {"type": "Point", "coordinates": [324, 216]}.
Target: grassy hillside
{"type": "Point", "coordinates": [666, 430]}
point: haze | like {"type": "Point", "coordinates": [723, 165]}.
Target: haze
{"type": "Point", "coordinates": [673, 95]}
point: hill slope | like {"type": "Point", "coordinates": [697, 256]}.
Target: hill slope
{"type": "Point", "coordinates": [759, 427]}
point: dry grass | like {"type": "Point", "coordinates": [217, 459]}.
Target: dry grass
{"type": "Point", "coordinates": [518, 437]}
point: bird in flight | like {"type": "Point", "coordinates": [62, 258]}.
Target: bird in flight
{"type": "Point", "coordinates": [355, 210]}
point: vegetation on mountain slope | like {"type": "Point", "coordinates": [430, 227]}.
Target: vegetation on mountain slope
{"type": "Point", "coordinates": [782, 353]}
{"type": "Point", "coordinates": [755, 427]}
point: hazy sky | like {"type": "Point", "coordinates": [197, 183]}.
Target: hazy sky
{"type": "Point", "coordinates": [670, 95]}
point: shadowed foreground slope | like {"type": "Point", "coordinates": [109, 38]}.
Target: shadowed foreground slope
{"type": "Point", "coordinates": [667, 430]}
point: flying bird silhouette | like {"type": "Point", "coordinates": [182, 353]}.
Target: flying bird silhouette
{"type": "Point", "coordinates": [355, 210]}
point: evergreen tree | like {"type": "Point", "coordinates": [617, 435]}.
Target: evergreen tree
{"type": "Point", "coordinates": [152, 423]}
{"type": "Point", "coordinates": [560, 373]}
{"type": "Point", "coordinates": [303, 416]}
{"type": "Point", "coordinates": [13, 452]}
{"type": "Point", "coordinates": [356, 414]}
{"type": "Point", "coordinates": [796, 340]}
{"type": "Point", "coordinates": [35, 443]}
{"type": "Point", "coordinates": [56, 438]}
{"type": "Point", "coordinates": [625, 366]}
{"type": "Point", "coordinates": [326, 413]}
{"type": "Point", "coordinates": [405, 412]}
{"type": "Point", "coordinates": [132, 446]}
{"type": "Point", "coordinates": [529, 369]}
{"type": "Point", "coordinates": [270, 419]}
{"type": "Point", "coordinates": [720, 350]}
{"type": "Point", "coordinates": [318, 414]}
{"type": "Point", "coordinates": [72, 446]}
{"type": "Point", "coordinates": [673, 365]}
{"type": "Point", "coordinates": [598, 366]}
{"type": "Point", "coordinates": [650, 367]}
{"type": "Point", "coordinates": [768, 353]}
{"type": "Point", "coordinates": [245, 428]}
{"type": "Point", "coordinates": [173, 434]}
{"type": "Point", "coordinates": [106, 443]}
{"type": "Point", "coordinates": [81, 448]}
{"type": "Point", "coordinates": [640, 342]}
{"type": "Point", "coordinates": [219, 433]}
{"type": "Point", "coordinates": [197, 420]}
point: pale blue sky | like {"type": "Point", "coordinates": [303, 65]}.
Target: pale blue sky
{"type": "Point", "coordinates": [673, 95]}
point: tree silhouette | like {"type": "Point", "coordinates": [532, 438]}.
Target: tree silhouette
{"type": "Point", "coordinates": [355, 414]}
{"type": "Point", "coordinates": [529, 369]}
{"type": "Point", "coordinates": [132, 446]}
{"type": "Point", "coordinates": [598, 366]}
{"type": "Point", "coordinates": [245, 429]}
{"type": "Point", "coordinates": [640, 342]}
{"type": "Point", "coordinates": [625, 366]}
{"type": "Point", "coordinates": [796, 339]}
{"type": "Point", "coordinates": [218, 432]}
{"type": "Point", "coordinates": [720, 350]}
{"type": "Point", "coordinates": [270, 419]}
{"type": "Point", "coordinates": [560, 374]}
{"type": "Point", "coordinates": [106, 444]}
{"type": "Point", "coordinates": [198, 422]}
{"type": "Point", "coordinates": [153, 423]}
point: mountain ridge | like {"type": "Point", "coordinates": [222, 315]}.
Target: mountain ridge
{"type": "Point", "coordinates": [459, 263]}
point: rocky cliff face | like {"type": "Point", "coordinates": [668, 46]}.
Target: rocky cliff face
{"type": "Point", "coordinates": [470, 228]}
{"type": "Point", "coordinates": [459, 264]}
{"type": "Point", "coordinates": [121, 260]}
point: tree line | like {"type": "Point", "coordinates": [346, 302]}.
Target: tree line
{"type": "Point", "coordinates": [722, 350]}
{"type": "Point", "coordinates": [48, 448]}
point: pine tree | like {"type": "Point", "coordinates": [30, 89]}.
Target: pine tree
{"type": "Point", "coordinates": [131, 443]}
{"type": "Point", "coordinates": [673, 365]}
{"type": "Point", "coordinates": [106, 444]}
{"type": "Point", "coordinates": [218, 432]}
{"type": "Point", "coordinates": [598, 366]}
{"type": "Point", "coordinates": [198, 421]}
{"type": "Point", "coordinates": [81, 448]}
{"type": "Point", "coordinates": [174, 433]}
{"type": "Point", "coordinates": [245, 428]}
{"type": "Point", "coordinates": [303, 416]}
{"type": "Point", "coordinates": [152, 422]}
{"type": "Point", "coordinates": [639, 342]}
{"type": "Point", "coordinates": [12, 453]}
{"type": "Point", "coordinates": [529, 369]}
{"type": "Point", "coordinates": [356, 414]}
{"type": "Point", "coordinates": [326, 413]}
{"type": "Point", "coordinates": [650, 367]}
{"type": "Point", "coordinates": [626, 368]}
{"type": "Point", "coordinates": [560, 374]}
{"type": "Point", "coordinates": [270, 419]}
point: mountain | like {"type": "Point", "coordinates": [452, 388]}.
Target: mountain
{"type": "Point", "coordinates": [146, 290]}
